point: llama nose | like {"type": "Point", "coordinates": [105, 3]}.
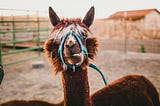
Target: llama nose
{"type": "Point", "coordinates": [70, 42]}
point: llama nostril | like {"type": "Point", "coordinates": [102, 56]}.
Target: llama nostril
{"type": "Point", "coordinates": [70, 44]}
{"type": "Point", "coordinates": [67, 46]}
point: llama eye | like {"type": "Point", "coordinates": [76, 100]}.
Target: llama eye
{"type": "Point", "coordinates": [84, 37]}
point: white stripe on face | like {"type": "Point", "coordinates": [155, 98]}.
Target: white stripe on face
{"type": "Point", "coordinates": [59, 33]}
{"type": "Point", "coordinates": [71, 41]}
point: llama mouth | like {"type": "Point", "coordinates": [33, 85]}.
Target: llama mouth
{"type": "Point", "coordinates": [75, 58]}
{"type": "Point", "coordinates": [77, 55]}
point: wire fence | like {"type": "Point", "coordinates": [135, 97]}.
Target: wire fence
{"type": "Point", "coordinates": [22, 32]}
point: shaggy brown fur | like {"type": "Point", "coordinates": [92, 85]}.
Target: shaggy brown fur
{"type": "Point", "coordinates": [76, 88]}
{"type": "Point", "coordinates": [130, 90]}
{"type": "Point", "coordinates": [51, 50]}
{"type": "Point", "coordinates": [30, 103]}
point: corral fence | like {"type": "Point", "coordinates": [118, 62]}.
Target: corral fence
{"type": "Point", "coordinates": [22, 33]}
{"type": "Point", "coordinates": [128, 35]}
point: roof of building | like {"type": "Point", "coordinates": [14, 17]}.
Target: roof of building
{"type": "Point", "coordinates": [132, 14]}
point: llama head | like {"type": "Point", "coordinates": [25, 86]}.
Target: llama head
{"type": "Point", "coordinates": [71, 49]}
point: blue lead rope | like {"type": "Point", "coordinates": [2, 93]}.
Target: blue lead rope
{"type": "Point", "coordinates": [84, 51]}
{"type": "Point", "coordinates": [100, 72]}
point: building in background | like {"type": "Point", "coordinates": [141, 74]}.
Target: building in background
{"type": "Point", "coordinates": [136, 24]}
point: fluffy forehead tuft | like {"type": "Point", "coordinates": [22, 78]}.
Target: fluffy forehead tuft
{"type": "Point", "coordinates": [67, 25]}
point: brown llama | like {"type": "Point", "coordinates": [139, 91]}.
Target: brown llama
{"type": "Point", "coordinates": [30, 103]}
{"type": "Point", "coordinates": [130, 90]}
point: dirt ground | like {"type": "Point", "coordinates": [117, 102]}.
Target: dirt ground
{"type": "Point", "coordinates": [23, 82]}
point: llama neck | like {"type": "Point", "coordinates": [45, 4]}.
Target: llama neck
{"type": "Point", "coordinates": [76, 88]}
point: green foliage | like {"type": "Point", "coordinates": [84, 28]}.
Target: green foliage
{"type": "Point", "coordinates": [143, 50]}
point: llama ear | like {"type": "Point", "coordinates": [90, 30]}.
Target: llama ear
{"type": "Point", "coordinates": [88, 19]}
{"type": "Point", "coordinates": [53, 17]}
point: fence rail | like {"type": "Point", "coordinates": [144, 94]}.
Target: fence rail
{"type": "Point", "coordinates": [15, 31]}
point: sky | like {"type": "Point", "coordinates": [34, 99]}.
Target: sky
{"type": "Point", "coordinates": [78, 8]}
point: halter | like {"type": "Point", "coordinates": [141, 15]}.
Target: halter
{"type": "Point", "coordinates": [83, 51]}
{"type": "Point", "coordinates": [82, 48]}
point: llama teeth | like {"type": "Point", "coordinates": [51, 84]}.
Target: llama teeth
{"type": "Point", "coordinates": [76, 55]}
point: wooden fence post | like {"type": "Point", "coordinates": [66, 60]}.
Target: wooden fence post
{"type": "Point", "coordinates": [38, 32]}
{"type": "Point", "coordinates": [13, 32]}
